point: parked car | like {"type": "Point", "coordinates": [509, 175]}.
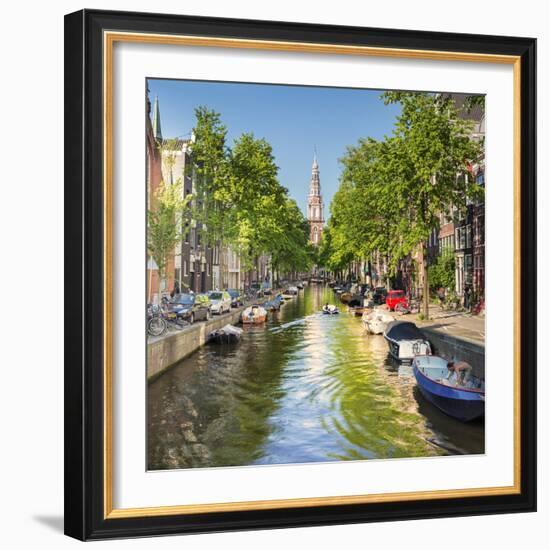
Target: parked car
{"type": "Point", "coordinates": [396, 297]}
{"type": "Point", "coordinates": [237, 298]}
{"type": "Point", "coordinates": [190, 307]}
{"type": "Point", "coordinates": [221, 301]}
{"type": "Point", "coordinates": [379, 295]}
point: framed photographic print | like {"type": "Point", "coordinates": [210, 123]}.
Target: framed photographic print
{"type": "Point", "coordinates": [300, 282]}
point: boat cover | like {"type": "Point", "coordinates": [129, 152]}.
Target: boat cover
{"type": "Point", "coordinates": [403, 330]}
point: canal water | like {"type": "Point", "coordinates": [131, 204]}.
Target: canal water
{"type": "Point", "coordinates": [305, 387]}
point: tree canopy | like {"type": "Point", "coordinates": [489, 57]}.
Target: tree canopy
{"type": "Point", "coordinates": [240, 200]}
{"type": "Point", "coordinates": [393, 191]}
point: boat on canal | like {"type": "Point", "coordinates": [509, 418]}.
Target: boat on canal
{"type": "Point", "coordinates": [330, 309]}
{"type": "Point", "coordinates": [254, 314]}
{"type": "Point", "coordinates": [405, 341]}
{"type": "Point", "coordinates": [228, 334]}
{"type": "Point", "coordinates": [376, 321]}
{"type": "Point", "coordinates": [464, 401]}
{"type": "Point", "coordinates": [345, 297]}
{"type": "Point", "coordinates": [357, 310]}
{"type": "Point", "coordinates": [275, 304]}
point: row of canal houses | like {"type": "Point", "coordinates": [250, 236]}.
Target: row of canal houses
{"type": "Point", "coordinates": [194, 265]}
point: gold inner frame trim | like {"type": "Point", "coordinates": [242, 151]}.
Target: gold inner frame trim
{"type": "Point", "coordinates": [109, 39]}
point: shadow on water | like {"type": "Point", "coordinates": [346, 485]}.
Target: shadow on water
{"type": "Point", "coordinates": [304, 388]}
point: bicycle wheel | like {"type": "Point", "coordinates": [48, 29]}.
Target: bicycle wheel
{"type": "Point", "coordinates": [156, 326]}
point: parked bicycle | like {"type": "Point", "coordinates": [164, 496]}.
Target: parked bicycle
{"type": "Point", "coordinates": [156, 323]}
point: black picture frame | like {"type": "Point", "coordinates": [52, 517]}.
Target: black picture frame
{"type": "Point", "coordinates": [84, 281]}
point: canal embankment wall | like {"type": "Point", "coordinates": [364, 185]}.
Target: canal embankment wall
{"type": "Point", "coordinates": [166, 351]}
{"type": "Point", "coordinates": [457, 348]}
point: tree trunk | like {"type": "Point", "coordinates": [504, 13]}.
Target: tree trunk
{"type": "Point", "coordinates": [426, 286]}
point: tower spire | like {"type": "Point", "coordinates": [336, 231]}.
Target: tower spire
{"type": "Point", "coordinates": [315, 203]}
{"type": "Point", "coordinates": [157, 131]}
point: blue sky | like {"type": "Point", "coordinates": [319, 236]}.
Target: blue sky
{"type": "Point", "coordinates": [293, 119]}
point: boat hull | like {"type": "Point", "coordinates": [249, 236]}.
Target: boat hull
{"type": "Point", "coordinates": [345, 297]}
{"type": "Point", "coordinates": [255, 321]}
{"type": "Point", "coordinates": [376, 327]}
{"type": "Point", "coordinates": [407, 350]}
{"type": "Point", "coordinates": [462, 404]}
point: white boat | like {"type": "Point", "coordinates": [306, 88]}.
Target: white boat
{"type": "Point", "coordinates": [405, 341]}
{"type": "Point", "coordinates": [253, 315]}
{"type": "Point", "coordinates": [376, 321]}
{"type": "Point", "coordinates": [330, 309]}
{"type": "Point", "coordinates": [292, 290]}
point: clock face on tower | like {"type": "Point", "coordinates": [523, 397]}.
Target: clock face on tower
{"type": "Point", "coordinates": [315, 215]}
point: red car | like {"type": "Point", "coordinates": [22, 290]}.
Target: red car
{"type": "Point", "coordinates": [395, 297]}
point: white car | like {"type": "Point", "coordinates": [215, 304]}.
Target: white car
{"type": "Point", "coordinates": [220, 300]}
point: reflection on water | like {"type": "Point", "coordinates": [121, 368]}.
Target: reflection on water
{"type": "Point", "coordinates": [304, 388]}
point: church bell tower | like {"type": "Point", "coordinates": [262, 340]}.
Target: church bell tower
{"type": "Point", "coordinates": [315, 216]}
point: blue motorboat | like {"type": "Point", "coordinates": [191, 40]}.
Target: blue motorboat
{"type": "Point", "coordinates": [463, 400]}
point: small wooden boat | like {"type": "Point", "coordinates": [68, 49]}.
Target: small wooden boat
{"type": "Point", "coordinates": [464, 402]}
{"type": "Point", "coordinates": [405, 341]}
{"type": "Point", "coordinates": [254, 315]}
{"type": "Point", "coordinates": [226, 335]}
{"type": "Point", "coordinates": [345, 297]}
{"type": "Point", "coordinates": [330, 309]}
{"type": "Point", "coordinates": [358, 310]}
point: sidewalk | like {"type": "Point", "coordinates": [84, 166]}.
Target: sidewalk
{"type": "Point", "coordinates": [453, 323]}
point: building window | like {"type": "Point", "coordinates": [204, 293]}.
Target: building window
{"type": "Point", "coordinates": [186, 233]}
{"type": "Point", "coordinates": [463, 236]}
{"type": "Point", "coordinates": [468, 269]}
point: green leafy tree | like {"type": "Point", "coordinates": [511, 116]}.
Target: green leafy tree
{"type": "Point", "coordinates": [257, 197]}
{"type": "Point", "coordinates": [165, 224]}
{"type": "Point", "coordinates": [442, 272]}
{"type": "Point", "coordinates": [239, 199]}
{"type": "Point", "coordinates": [432, 147]}
{"type": "Point", "coordinates": [210, 171]}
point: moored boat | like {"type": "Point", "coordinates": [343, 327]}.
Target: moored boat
{"type": "Point", "coordinates": [226, 335]}
{"type": "Point", "coordinates": [376, 321]}
{"type": "Point", "coordinates": [254, 315]}
{"type": "Point", "coordinates": [275, 304]}
{"type": "Point", "coordinates": [345, 297]}
{"type": "Point", "coordinates": [464, 400]}
{"type": "Point", "coordinates": [405, 341]}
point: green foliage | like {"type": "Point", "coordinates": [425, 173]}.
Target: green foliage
{"type": "Point", "coordinates": [165, 222]}
{"type": "Point", "coordinates": [392, 191]}
{"type": "Point", "coordinates": [474, 100]}
{"type": "Point", "coordinates": [168, 149]}
{"type": "Point", "coordinates": [210, 172]}
{"type": "Point", "coordinates": [442, 272]}
{"type": "Point", "coordinates": [239, 199]}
